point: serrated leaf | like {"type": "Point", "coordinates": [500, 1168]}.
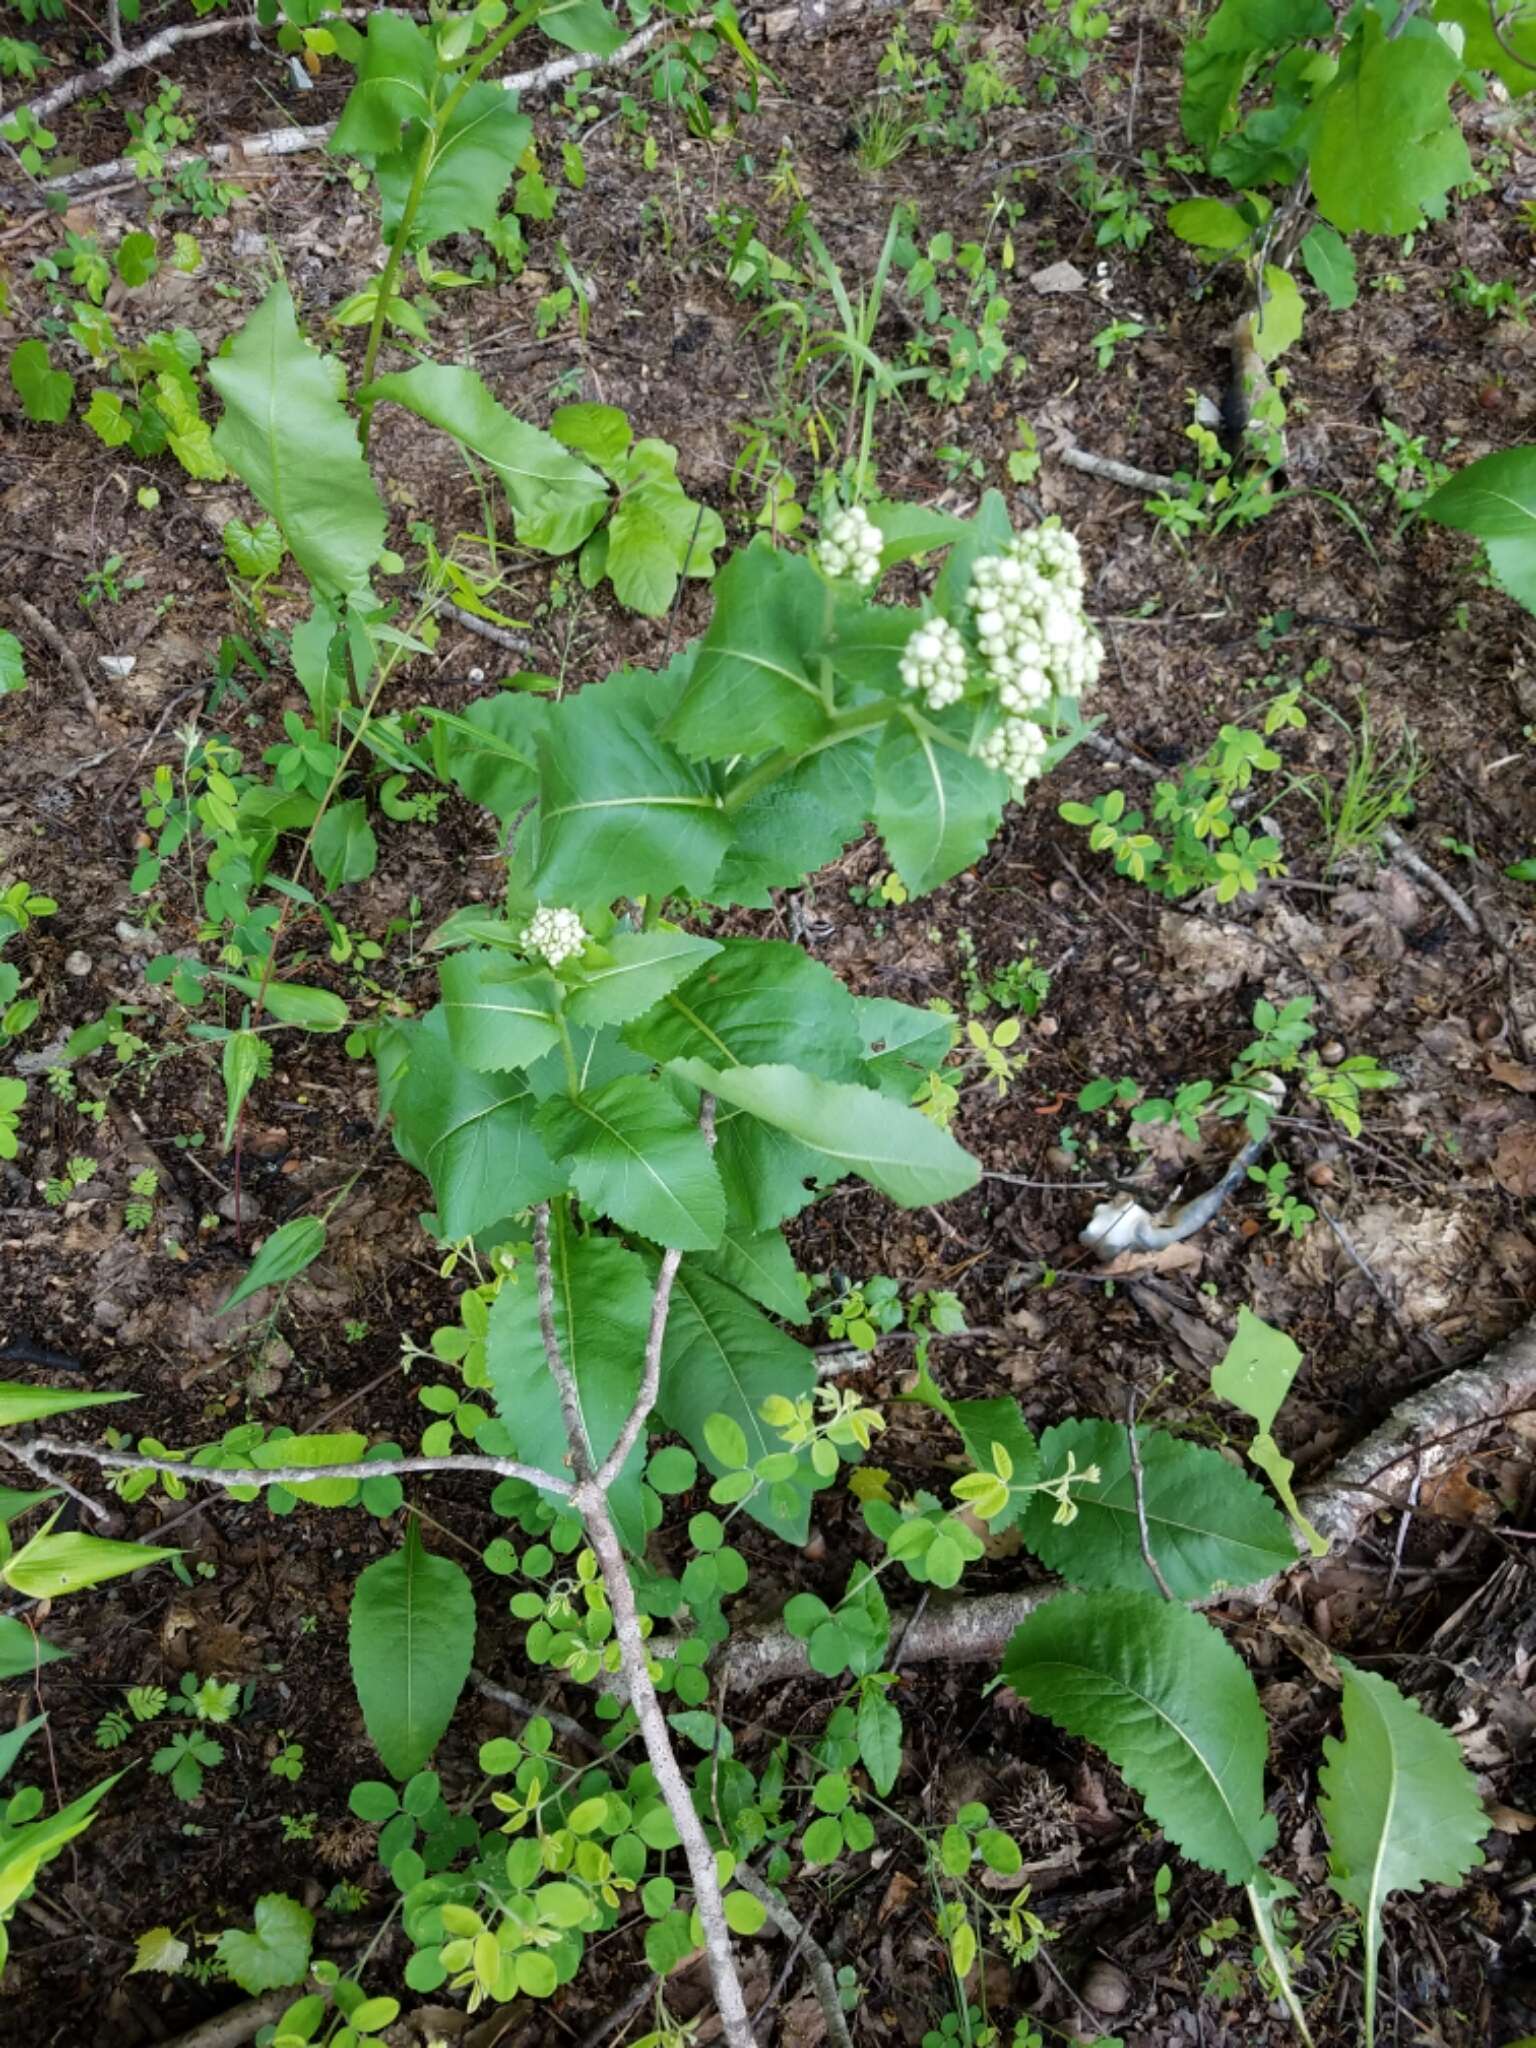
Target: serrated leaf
{"type": "Point", "coordinates": [752, 686]}
{"type": "Point", "coordinates": [1207, 1524]}
{"type": "Point", "coordinates": [556, 500]}
{"type": "Point", "coordinates": [499, 1011]}
{"type": "Point", "coordinates": [754, 1002]}
{"type": "Point", "coordinates": [602, 1317]}
{"type": "Point", "coordinates": [473, 160]}
{"type": "Point", "coordinates": [471, 1134]}
{"type": "Point", "coordinates": [1401, 1808]}
{"type": "Point", "coordinates": [797, 824]}
{"type": "Point", "coordinates": [1388, 147]}
{"type": "Point", "coordinates": [158, 1949]}
{"type": "Point", "coordinates": [935, 807]}
{"type": "Point", "coordinates": [759, 1264]}
{"type": "Point", "coordinates": [995, 1421]}
{"type": "Point", "coordinates": [632, 971]}
{"type": "Point", "coordinates": [1169, 1702]}
{"type": "Point", "coordinates": [288, 437]}
{"type": "Point", "coordinates": [846, 1129]}
{"type": "Point", "coordinates": [636, 1155]}
{"type": "Point", "coordinates": [410, 1640]}
{"type": "Point", "coordinates": [286, 1253]}
{"type": "Point", "coordinates": [275, 1951]}
{"type": "Point", "coordinates": [722, 1357]}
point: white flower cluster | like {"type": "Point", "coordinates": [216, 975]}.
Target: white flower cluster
{"type": "Point", "coordinates": [554, 935]}
{"type": "Point", "coordinates": [850, 546]}
{"type": "Point", "coordinates": [1016, 749]}
{"type": "Point", "coordinates": [1028, 604]}
{"type": "Point", "coordinates": [935, 662]}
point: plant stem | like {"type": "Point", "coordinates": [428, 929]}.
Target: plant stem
{"type": "Point", "coordinates": [1277, 1964]}
{"type": "Point", "coordinates": [845, 725]}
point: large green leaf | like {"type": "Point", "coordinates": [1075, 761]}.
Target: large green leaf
{"type": "Point", "coordinates": [1237, 36]}
{"type": "Point", "coordinates": [556, 500]}
{"type": "Point", "coordinates": [617, 801]}
{"type": "Point", "coordinates": [500, 1012]}
{"type": "Point", "coordinates": [1208, 1524]}
{"type": "Point", "coordinates": [633, 970]}
{"type": "Point", "coordinates": [411, 1641]}
{"type": "Point", "coordinates": [757, 1001]}
{"type": "Point", "coordinates": [274, 1952]}
{"type": "Point", "coordinates": [766, 1175]}
{"type": "Point", "coordinates": [754, 684]}
{"type": "Point", "coordinates": [1158, 1690]}
{"type": "Point", "coordinates": [474, 157]}
{"type": "Point", "coordinates": [902, 1044]}
{"type": "Point", "coordinates": [395, 67]}
{"type": "Point", "coordinates": [471, 1134]}
{"type": "Point", "coordinates": [722, 1357]}
{"type": "Point", "coordinates": [761, 1265]}
{"type": "Point", "coordinates": [935, 807]}
{"type": "Point", "coordinates": [21, 1651]}
{"type": "Point", "coordinates": [602, 1318]}
{"type": "Point", "coordinates": [1388, 147]}
{"type": "Point", "coordinates": [1496, 500]}
{"type": "Point", "coordinates": [15, 1501]}
{"type": "Point", "coordinates": [21, 1403]}
{"type": "Point", "coordinates": [1400, 1806]}
{"type": "Point", "coordinates": [582, 25]}
{"type": "Point", "coordinates": [847, 1129]}
{"type": "Point", "coordinates": [25, 1849]}
{"type": "Point", "coordinates": [1508, 50]}
{"type": "Point", "coordinates": [287, 435]}
{"type": "Point", "coordinates": [637, 1155]}
{"type": "Point", "coordinates": [491, 751]}
{"type": "Point", "coordinates": [798, 823]}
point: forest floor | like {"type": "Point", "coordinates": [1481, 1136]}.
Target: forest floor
{"type": "Point", "coordinates": [1339, 591]}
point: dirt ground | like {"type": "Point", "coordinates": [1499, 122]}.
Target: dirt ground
{"type": "Point", "coordinates": [1435, 1197]}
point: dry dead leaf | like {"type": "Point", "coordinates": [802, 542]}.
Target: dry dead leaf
{"type": "Point", "coordinates": [1513, 1075]}
{"type": "Point", "coordinates": [1509, 1820]}
{"type": "Point", "coordinates": [898, 1895]}
{"type": "Point", "coordinates": [1514, 1164]}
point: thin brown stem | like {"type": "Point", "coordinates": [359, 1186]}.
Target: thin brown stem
{"type": "Point", "coordinates": [1139, 1484]}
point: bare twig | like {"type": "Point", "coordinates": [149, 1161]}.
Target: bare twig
{"type": "Point", "coordinates": [24, 1454]}
{"type": "Point", "coordinates": [122, 61]}
{"type": "Point", "coordinates": [1113, 472]}
{"type": "Point", "coordinates": [1404, 857]}
{"type": "Point", "coordinates": [818, 1964]}
{"type": "Point", "coordinates": [286, 1475]}
{"type": "Point", "coordinates": [504, 1696]}
{"type": "Point", "coordinates": [1138, 1482]}
{"type": "Point", "coordinates": [231, 2029]}
{"type": "Point", "coordinates": [590, 1500]}
{"type": "Point", "coordinates": [486, 629]}
{"type": "Point", "coordinates": [49, 633]}
{"type": "Point", "coordinates": [616, 2022]}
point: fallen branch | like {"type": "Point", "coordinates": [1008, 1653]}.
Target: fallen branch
{"type": "Point", "coordinates": [51, 637]}
{"type": "Point", "coordinates": [818, 1965]}
{"type": "Point", "coordinates": [232, 2029]}
{"type": "Point", "coordinates": [1125, 473]}
{"type": "Point", "coordinates": [281, 1475]}
{"type": "Point", "coordinates": [1404, 857]}
{"type": "Point", "coordinates": [123, 61]}
{"type": "Point", "coordinates": [515, 1703]}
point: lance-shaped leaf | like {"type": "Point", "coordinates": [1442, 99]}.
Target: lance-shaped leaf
{"type": "Point", "coordinates": [411, 1641]}
{"type": "Point", "coordinates": [288, 437]}
{"type": "Point", "coordinates": [721, 1357]}
{"type": "Point", "coordinates": [617, 800]}
{"type": "Point", "coordinates": [1388, 146]}
{"type": "Point", "coordinates": [53, 1562]}
{"type": "Point", "coordinates": [846, 1129]}
{"type": "Point", "coordinates": [757, 1001]}
{"type": "Point", "coordinates": [1158, 1690]}
{"type": "Point", "coordinates": [474, 156]}
{"type": "Point", "coordinates": [1208, 1525]}
{"type": "Point", "coordinates": [396, 66]}
{"type": "Point", "coordinates": [471, 1134]}
{"type": "Point", "coordinates": [1400, 1806]}
{"type": "Point", "coordinates": [21, 1403]}
{"type": "Point", "coordinates": [935, 807]}
{"type": "Point", "coordinates": [500, 1012]}
{"type": "Point", "coordinates": [556, 500]}
{"type": "Point", "coordinates": [21, 1651]}
{"type": "Point", "coordinates": [755, 685]}
{"type": "Point", "coordinates": [602, 1318]}
{"type": "Point", "coordinates": [629, 972]}
{"type": "Point", "coordinates": [759, 1264]}
{"type": "Point", "coordinates": [637, 1155]}
{"type": "Point", "coordinates": [292, 1247]}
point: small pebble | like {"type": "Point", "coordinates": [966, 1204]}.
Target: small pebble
{"type": "Point", "coordinates": [78, 965]}
{"type": "Point", "coordinates": [1106, 1988]}
{"type": "Point", "coordinates": [1331, 1053]}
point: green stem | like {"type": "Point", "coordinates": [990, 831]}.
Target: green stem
{"type": "Point", "coordinates": [845, 725]}
{"type": "Point", "coordinates": [568, 1051]}
{"type": "Point", "coordinates": [1277, 1964]}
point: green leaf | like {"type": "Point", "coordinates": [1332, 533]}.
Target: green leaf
{"type": "Point", "coordinates": [1207, 1524]}
{"type": "Point", "coordinates": [499, 1011]}
{"type": "Point", "coordinates": [255, 551]}
{"type": "Point", "coordinates": [276, 1950]}
{"type": "Point", "coordinates": [935, 807]}
{"type": "Point", "coordinates": [878, 1731]}
{"type": "Point", "coordinates": [471, 1134]}
{"type": "Point", "coordinates": [601, 431]}
{"type": "Point", "coordinates": [602, 1317]}
{"type": "Point", "coordinates": [292, 1002]}
{"type": "Point", "coordinates": [136, 259]}
{"type": "Point", "coordinates": [13, 666]}
{"type": "Point", "coordinates": [1279, 324]}
{"type": "Point", "coordinates": [287, 435]}
{"type": "Point", "coordinates": [1400, 1806]}
{"type": "Point", "coordinates": [847, 1129]}
{"type": "Point", "coordinates": [752, 686]}
{"type": "Point", "coordinates": [744, 1914]}
{"type": "Point", "coordinates": [473, 160]}
{"type": "Point", "coordinates": [556, 500]}
{"type": "Point", "coordinates": [1257, 1371]}
{"type": "Point", "coordinates": [25, 1849]}
{"type": "Point", "coordinates": [344, 847]}
{"type": "Point", "coordinates": [582, 25]}
{"type": "Point", "coordinates": [759, 1264]}
{"type": "Point", "coordinates": [907, 530]}
{"type": "Point", "coordinates": [1510, 53]}
{"type": "Point", "coordinates": [633, 970]}
{"type": "Point", "coordinates": [108, 418]}
{"type": "Point", "coordinates": [411, 1640]}
{"type": "Point", "coordinates": [1208, 224]}
{"type": "Point", "coordinates": [754, 1002]}
{"type": "Point", "coordinates": [52, 1564]}
{"type": "Point", "coordinates": [797, 824]}
{"type": "Point", "coordinates": [1236, 37]}
{"type": "Point", "coordinates": [291, 1247]}
{"type": "Point", "coordinates": [21, 1652]}
{"type": "Point", "coordinates": [656, 535]}
{"type": "Point", "coordinates": [721, 1357]}
{"type": "Point", "coordinates": [21, 1403]}
{"type": "Point", "coordinates": [1331, 266]}
{"type": "Point", "coordinates": [46, 394]}
{"type": "Point", "coordinates": [14, 1740]}
{"type": "Point", "coordinates": [618, 801]}
{"type": "Point", "coordinates": [1000, 1420]}
{"type": "Point", "coordinates": [1157, 1689]}
{"type": "Point", "coordinates": [1388, 147]}
{"type": "Point", "coordinates": [339, 1447]}
{"type": "Point", "coordinates": [636, 1155]}
{"type": "Point", "coordinates": [15, 1501]}
{"type": "Point", "coordinates": [396, 66]}
{"type": "Point", "coordinates": [1496, 500]}
{"type": "Point", "coordinates": [239, 1065]}
{"type": "Point", "coordinates": [902, 1044]}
